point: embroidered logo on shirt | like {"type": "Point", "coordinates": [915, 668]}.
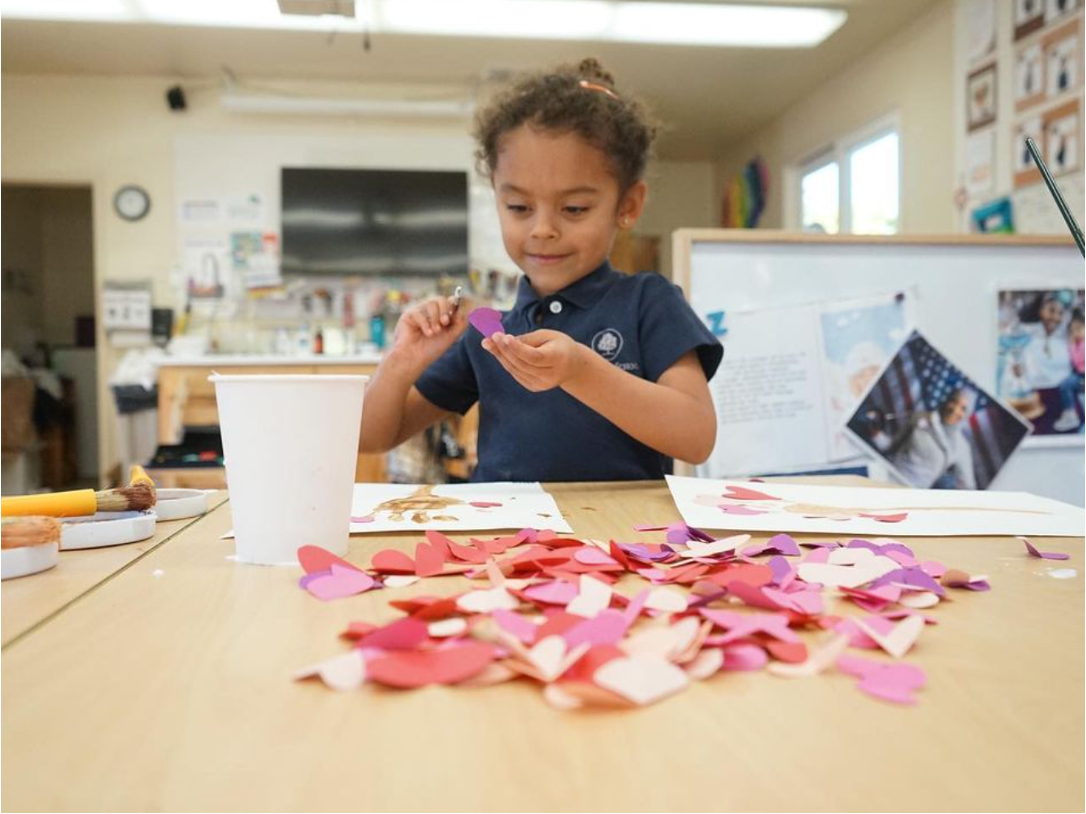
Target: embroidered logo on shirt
{"type": "Point", "coordinates": [607, 343]}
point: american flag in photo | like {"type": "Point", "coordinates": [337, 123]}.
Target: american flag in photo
{"type": "Point", "coordinates": [994, 431]}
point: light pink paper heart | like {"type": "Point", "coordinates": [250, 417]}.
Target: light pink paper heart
{"type": "Point", "coordinates": [340, 582]}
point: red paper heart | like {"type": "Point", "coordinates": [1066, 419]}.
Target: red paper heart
{"type": "Point", "coordinates": [429, 562]}
{"type": "Point", "coordinates": [391, 561]}
{"type": "Point", "coordinates": [417, 668]}
{"type": "Point", "coordinates": [754, 575]}
{"type": "Point", "coordinates": [792, 652]}
{"type": "Point", "coordinates": [887, 518]}
{"type": "Point", "coordinates": [314, 558]}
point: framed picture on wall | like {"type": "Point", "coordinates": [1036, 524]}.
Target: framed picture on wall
{"type": "Point", "coordinates": [1058, 9]}
{"type": "Point", "coordinates": [1025, 171]}
{"type": "Point", "coordinates": [1029, 76]}
{"type": "Point", "coordinates": [980, 95]}
{"type": "Point", "coordinates": [1029, 15]}
{"type": "Point", "coordinates": [1062, 138]}
{"type": "Point", "coordinates": [1063, 60]}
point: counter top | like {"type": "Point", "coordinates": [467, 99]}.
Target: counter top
{"type": "Point", "coordinates": [264, 360]}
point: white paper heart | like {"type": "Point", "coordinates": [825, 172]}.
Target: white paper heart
{"type": "Point", "coordinates": [706, 663]}
{"type": "Point", "coordinates": [696, 548]}
{"type": "Point", "coordinates": [641, 679]}
{"type": "Point", "coordinates": [487, 601]}
{"type": "Point", "coordinates": [900, 639]}
{"type": "Point", "coordinates": [666, 599]}
{"type": "Point", "coordinates": [918, 600]}
{"type": "Point", "coordinates": [400, 580]}
{"type": "Point", "coordinates": [452, 626]}
{"type": "Point", "coordinates": [346, 671]}
{"type": "Point", "coordinates": [817, 660]}
{"type": "Point", "coordinates": [593, 596]}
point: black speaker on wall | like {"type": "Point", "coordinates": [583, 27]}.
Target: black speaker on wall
{"type": "Point", "coordinates": [175, 98]}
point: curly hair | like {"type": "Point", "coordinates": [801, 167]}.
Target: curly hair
{"type": "Point", "coordinates": [579, 99]}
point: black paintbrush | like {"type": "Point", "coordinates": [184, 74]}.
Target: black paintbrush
{"type": "Point", "coordinates": [1072, 224]}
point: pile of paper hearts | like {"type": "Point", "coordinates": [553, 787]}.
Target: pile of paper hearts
{"type": "Point", "coordinates": [546, 609]}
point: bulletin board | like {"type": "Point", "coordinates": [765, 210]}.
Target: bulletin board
{"type": "Point", "coordinates": [952, 284]}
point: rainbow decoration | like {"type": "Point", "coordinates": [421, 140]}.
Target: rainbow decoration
{"type": "Point", "coordinates": [745, 196]}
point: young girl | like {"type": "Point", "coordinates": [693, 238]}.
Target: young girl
{"type": "Point", "coordinates": [599, 375]}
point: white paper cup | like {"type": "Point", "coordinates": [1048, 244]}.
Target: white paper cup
{"type": "Point", "coordinates": [290, 444]}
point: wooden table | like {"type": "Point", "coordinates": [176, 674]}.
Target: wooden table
{"type": "Point", "coordinates": [28, 601]}
{"type": "Point", "coordinates": [174, 692]}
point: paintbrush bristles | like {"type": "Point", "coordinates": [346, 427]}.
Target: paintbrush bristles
{"type": "Point", "coordinates": [136, 498]}
{"type": "Point", "coordinates": [19, 532]}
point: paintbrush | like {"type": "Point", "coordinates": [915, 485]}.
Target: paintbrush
{"type": "Point", "coordinates": [136, 474]}
{"type": "Point", "coordinates": [19, 532]}
{"type": "Point", "coordinates": [136, 498]}
{"type": "Point", "coordinates": [458, 295]}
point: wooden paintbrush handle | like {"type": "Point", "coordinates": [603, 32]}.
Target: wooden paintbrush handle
{"type": "Point", "coordinates": [54, 504]}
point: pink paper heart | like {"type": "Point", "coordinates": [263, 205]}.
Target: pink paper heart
{"type": "Point", "coordinates": [484, 504]}
{"type": "Point", "coordinates": [741, 511]}
{"type": "Point", "coordinates": [487, 321]}
{"type": "Point", "coordinates": [338, 583]}
{"type": "Point", "coordinates": [1044, 555]}
{"type": "Point", "coordinates": [740, 493]}
{"type": "Point", "coordinates": [557, 592]}
{"type": "Point", "coordinates": [593, 556]}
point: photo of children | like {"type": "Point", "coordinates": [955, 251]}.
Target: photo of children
{"type": "Point", "coordinates": [933, 425]}
{"type": "Point", "coordinates": [1040, 363]}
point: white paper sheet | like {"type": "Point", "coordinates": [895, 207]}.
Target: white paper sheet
{"type": "Point", "coordinates": [384, 507]}
{"type": "Point", "coordinates": [768, 506]}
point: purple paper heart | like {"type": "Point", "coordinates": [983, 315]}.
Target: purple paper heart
{"type": "Point", "coordinates": [487, 321]}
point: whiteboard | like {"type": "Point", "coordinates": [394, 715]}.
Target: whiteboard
{"type": "Point", "coordinates": [955, 280]}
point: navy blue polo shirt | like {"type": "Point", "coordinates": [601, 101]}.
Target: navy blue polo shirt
{"type": "Point", "coordinates": [640, 323]}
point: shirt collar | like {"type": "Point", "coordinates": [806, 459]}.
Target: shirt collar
{"type": "Point", "coordinates": [584, 293]}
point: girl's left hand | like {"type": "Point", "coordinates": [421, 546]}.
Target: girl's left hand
{"type": "Point", "coordinates": [540, 360]}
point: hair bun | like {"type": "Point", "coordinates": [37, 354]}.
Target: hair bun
{"type": "Point", "coordinates": [591, 69]}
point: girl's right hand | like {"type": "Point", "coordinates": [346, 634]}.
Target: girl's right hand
{"type": "Point", "coordinates": [426, 330]}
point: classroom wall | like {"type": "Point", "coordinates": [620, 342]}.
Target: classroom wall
{"type": "Point", "coordinates": [682, 195]}
{"type": "Point", "coordinates": [1033, 209]}
{"type": "Point", "coordinates": [909, 73]}
{"type": "Point", "coordinates": [111, 131]}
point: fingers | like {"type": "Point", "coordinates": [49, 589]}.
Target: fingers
{"type": "Point", "coordinates": [526, 375]}
{"type": "Point", "coordinates": [431, 317]}
{"type": "Point", "coordinates": [527, 355]}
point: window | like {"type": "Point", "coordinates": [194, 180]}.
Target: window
{"type": "Point", "coordinates": [854, 186]}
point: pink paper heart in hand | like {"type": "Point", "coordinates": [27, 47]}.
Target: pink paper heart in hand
{"type": "Point", "coordinates": [487, 321]}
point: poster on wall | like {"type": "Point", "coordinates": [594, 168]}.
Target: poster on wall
{"type": "Point", "coordinates": [1029, 16]}
{"type": "Point", "coordinates": [1062, 138]}
{"type": "Point", "coordinates": [206, 265]}
{"type": "Point", "coordinates": [980, 94]}
{"type": "Point", "coordinates": [980, 29]}
{"type": "Point", "coordinates": [1029, 76]}
{"type": "Point", "coordinates": [980, 162]}
{"type": "Point", "coordinates": [1058, 9]}
{"type": "Point", "coordinates": [1025, 171]}
{"type": "Point", "coordinates": [1062, 60]}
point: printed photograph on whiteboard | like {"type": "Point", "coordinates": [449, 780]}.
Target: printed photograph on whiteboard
{"type": "Point", "coordinates": [1062, 142]}
{"type": "Point", "coordinates": [1029, 16]}
{"type": "Point", "coordinates": [1039, 369]}
{"type": "Point", "coordinates": [1025, 171]}
{"type": "Point", "coordinates": [933, 425]}
{"type": "Point", "coordinates": [1029, 76]}
{"type": "Point", "coordinates": [768, 392]}
{"type": "Point", "coordinates": [859, 337]}
{"type": "Point", "coordinates": [1062, 60]}
{"type": "Point", "coordinates": [980, 97]}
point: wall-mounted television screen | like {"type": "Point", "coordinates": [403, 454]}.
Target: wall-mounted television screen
{"type": "Point", "coordinates": [350, 221]}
